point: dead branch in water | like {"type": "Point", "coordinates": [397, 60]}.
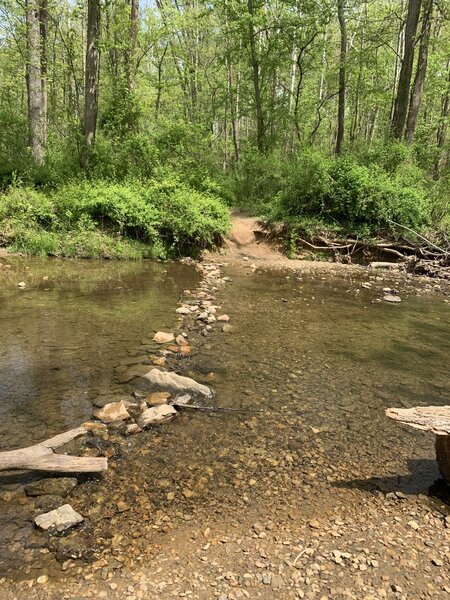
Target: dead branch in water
{"type": "Point", "coordinates": [41, 457]}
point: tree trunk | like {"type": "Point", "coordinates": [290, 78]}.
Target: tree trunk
{"type": "Point", "coordinates": [43, 26]}
{"type": "Point", "coordinates": [342, 77]}
{"type": "Point", "coordinates": [419, 79]}
{"type": "Point", "coordinates": [92, 68]}
{"type": "Point", "coordinates": [130, 68]}
{"type": "Point", "coordinates": [36, 87]}
{"type": "Point", "coordinates": [260, 126]}
{"type": "Point", "coordinates": [404, 81]}
{"type": "Point", "coordinates": [441, 135]}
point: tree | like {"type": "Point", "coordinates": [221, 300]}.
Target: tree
{"type": "Point", "coordinates": [36, 71]}
{"type": "Point", "coordinates": [404, 81]}
{"type": "Point", "coordinates": [342, 77]}
{"type": "Point", "coordinates": [92, 74]}
{"type": "Point", "coordinates": [419, 79]}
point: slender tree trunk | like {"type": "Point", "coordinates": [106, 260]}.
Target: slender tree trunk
{"type": "Point", "coordinates": [37, 90]}
{"type": "Point", "coordinates": [442, 129]}
{"type": "Point", "coordinates": [342, 77]}
{"type": "Point", "coordinates": [92, 70]}
{"type": "Point", "coordinates": [356, 115]}
{"type": "Point", "coordinates": [404, 81]}
{"type": "Point", "coordinates": [134, 22]}
{"type": "Point", "coordinates": [373, 126]}
{"type": "Point", "coordinates": [260, 126]}
{"type": "Point", "coordinates": [419, 79]}
{"type": "Point", "coordinates": [159, 84]}
{"type": "Point", "coordinates": [43, 25]}
{"type": "Point", "coordinates": [398, 55]}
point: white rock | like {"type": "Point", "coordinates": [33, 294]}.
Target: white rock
{"type": "Point", "coordinates": [163, 380]}
{"type": "Point", "coordinates": [183, 310]}
{"type": "Point", "coordinates": [156, 414]}
{"type": "Point", "coordinates": [60, 519]}
{"type": "Point", "coordinates": [391, 298]}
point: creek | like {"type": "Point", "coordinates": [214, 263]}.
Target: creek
{"type": "Point", "coordinates": [312, 362]}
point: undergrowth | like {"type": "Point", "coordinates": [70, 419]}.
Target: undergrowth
{"type": "Point", "coordinates": [157, 219]}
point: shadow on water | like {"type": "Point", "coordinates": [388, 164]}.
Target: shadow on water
{"type": "Point", "coordinates": [423, 474]}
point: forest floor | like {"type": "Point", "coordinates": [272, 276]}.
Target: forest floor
{"type": "Point", "coordinates": [318, 543]}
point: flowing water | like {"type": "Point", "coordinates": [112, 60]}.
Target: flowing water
{"type": "Point", "coordinates": [312, 363]}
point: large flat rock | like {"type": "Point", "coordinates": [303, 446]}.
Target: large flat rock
{"type": "Point", "coordinates": [156, 380]}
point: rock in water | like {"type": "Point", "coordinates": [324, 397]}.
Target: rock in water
{"type": "Point", "coordinates": [391, 298]}
{"type": "Point", "coordinates": [163, 380]}
{"type": "Point", "coordinates": [161, 337]}
{"type": "Point", "coordinates": [156, 414]}
{"type": "Point", "coordinates": [116, 411]}
{"type": "Point", "coordinates": [60, 519]}
{"type": "Point", "coordinates": [181, 340]}
{"type": "Point", "coordinates": [58, 486]}
{"type": "Point", "coordinates": [158, 398]}
{"type": "Point", "coordinates": [183, 310]}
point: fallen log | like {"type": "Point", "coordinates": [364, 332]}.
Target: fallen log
{"type": "Point", "coordinates": [429, 418]}
{"type": "Point", "coordinates": [41, 457]}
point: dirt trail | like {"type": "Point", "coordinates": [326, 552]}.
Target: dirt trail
{"type": "Point", "coordinates": [247, 243]}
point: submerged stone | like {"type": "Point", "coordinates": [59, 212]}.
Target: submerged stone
{"type": "Point", "coordinates": [56, 486]}
{"type": "Point", "coordinates": [161, 337]}
{"type": "Point", "coordinates": [163, 380]}
{"type": "Point", "coordinates": [391, 298]}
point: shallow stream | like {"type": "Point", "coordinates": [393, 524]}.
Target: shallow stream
{"type": "Point", "coordinates": [312, 363]}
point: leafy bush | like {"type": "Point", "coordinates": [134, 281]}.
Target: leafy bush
{"type": "Point", "coordinates": [256, 180]}
{"type": "Point", "coordinates": [360, 199]}
{"type": "Point", "coordinates": [132, 220]}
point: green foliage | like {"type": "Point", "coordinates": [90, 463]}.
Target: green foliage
{"type": "Point", "coordinates": [256, 180]}
{"type": "Point", "coordinates": [132, 220]}
{"type": "Point", "coordinates": [356, 198]}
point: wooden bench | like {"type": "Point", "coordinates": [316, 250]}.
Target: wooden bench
{"type": "Point", "coordinates": [429, 418]}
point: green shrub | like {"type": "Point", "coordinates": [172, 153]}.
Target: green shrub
{"type": "Point", "coordinates": [112, 220]}
{"type": "Point", "coordinates": [359, 199]}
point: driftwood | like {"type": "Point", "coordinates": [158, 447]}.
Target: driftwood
{"type": "Point", "coordinates": [429, 418]}
{"type": "Point", "coordinates": [41, 457]}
